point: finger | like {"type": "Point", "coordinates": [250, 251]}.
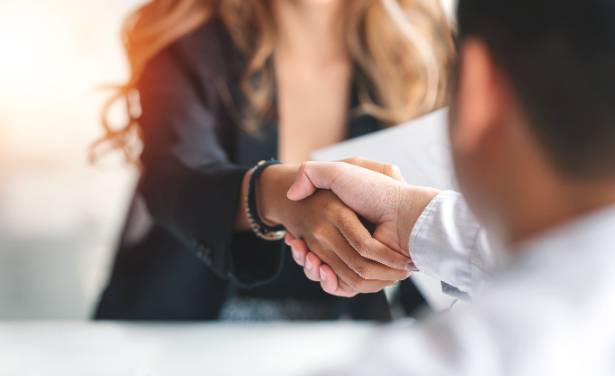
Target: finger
{"type": "Point", "coordinates": [298, 244]}
{"type": "Point", "coordinates": [365, 268]}
{"type": "Point", "coordinates": [289, 238]}
{"type": "Point", "coordinates": [298, 257]}
{"type": "Point", "coordinates": [383, 168]}
{"type": "Point", "coordinates": [345, 291]}
{"type": "Point", "coordinates": [298, 249]}
{"type": "Point", "coordinates": [302, 187]}
{"type": "Point", "coordinates": [328, 279]}
{"type": "Point", "coordinates": [355, 233]}
{"type": "Point", "coordinates": [331, 285]}
{"type": "Point", "coordinates": [344, 272]}
{"type": "Point", "coordinates": [312, 175]}
{"type": "Point", "coordinates": [312, 267]}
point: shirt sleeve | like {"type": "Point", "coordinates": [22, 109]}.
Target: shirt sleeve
{"type": "Point", "coordinates": [449, 244]}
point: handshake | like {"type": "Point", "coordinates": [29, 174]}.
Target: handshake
{"type": "Point", "coordinates": [324, 204]}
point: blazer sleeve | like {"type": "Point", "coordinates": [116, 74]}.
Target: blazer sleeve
{"type": "Point", "coordinates": [188, 181]}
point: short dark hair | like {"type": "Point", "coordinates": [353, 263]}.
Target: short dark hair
{"type": "Point", "coordinates": [559, 56]}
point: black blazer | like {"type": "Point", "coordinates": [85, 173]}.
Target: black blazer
{"type": "Point", "coordinates": [179, 257]}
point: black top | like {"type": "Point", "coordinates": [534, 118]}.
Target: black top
{"type": "Point", "coordinates": [179, 257]}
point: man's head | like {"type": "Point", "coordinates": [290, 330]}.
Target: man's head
{"type": "Point", "coordinates": [534, 107]}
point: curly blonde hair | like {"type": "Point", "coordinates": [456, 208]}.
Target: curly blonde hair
{"type": "Point", "coordinates": [403, 47]}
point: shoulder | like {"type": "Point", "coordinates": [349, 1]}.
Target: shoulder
{"type": "Point", "coordinates": [206, 52]}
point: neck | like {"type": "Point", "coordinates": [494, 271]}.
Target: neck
{"type": "Point", "coordinates": [555, 204]}
{"type": "Point", "coordinates": [309, 30]}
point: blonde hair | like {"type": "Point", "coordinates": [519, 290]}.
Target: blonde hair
{"type": "Point", "coordinates": [403, 47]}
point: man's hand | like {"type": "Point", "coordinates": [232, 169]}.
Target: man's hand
{"type": "Point", "coordinates": [390, 204]}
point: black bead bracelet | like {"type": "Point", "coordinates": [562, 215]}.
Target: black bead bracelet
{"type": "Point", "coordinates": [260, 228]}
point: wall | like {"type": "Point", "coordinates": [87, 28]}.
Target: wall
{"type": "Point", "coordinates": [59, 216]}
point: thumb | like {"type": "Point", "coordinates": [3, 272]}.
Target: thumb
{"type": "Point", "coordinates": [310, 177]}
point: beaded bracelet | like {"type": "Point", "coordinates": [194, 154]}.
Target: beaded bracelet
{"type": "Point", "coordinates": [260, 228]}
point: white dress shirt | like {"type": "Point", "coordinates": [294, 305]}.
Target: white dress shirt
{"type": "Point", "coordinates": [547, 308]}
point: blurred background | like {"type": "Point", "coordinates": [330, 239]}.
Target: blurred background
{"type": "Point", "coordinates": [59, 215]}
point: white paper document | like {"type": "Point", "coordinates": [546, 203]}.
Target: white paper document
{"type": "Point", "coordinates": [420, 148]}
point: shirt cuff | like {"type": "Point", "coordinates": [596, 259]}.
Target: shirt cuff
{"type": "Point", "coordinates": [442, 241]}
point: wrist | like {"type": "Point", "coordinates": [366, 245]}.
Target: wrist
{"type": "Point", "coordinates": [271, 190]}
{"type": "Point", "coordinates": [413, 202]}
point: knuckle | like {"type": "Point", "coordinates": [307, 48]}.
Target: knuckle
{"type": "Point", "coordinates": [354, 282]}
{"type": "Point", "coordinates": [333, 203]}
{"type": "Point", "coordinates": [365, 269]}
{"type": "Point", "coordinates": [336, 214]}
{"type": "Point", "coordinates": [339, 214]}
{"type": "Point", "coordinates": [363, 247]}
{"type": "Point", "coordinates": [325, 202]}
{"type": "Point", "coordinates": [319, 232]}
{"type": "Point", "coordinates": [329, 211]}
{"type": "Point", "coordinates": [361, 269]}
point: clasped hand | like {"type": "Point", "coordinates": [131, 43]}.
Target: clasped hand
{"type": "Point", "coordinates": [332, 244]}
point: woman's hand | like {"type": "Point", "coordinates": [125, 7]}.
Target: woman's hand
{"type": "Point", "coordinates": [332, 231]}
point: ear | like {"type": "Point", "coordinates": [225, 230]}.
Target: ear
{"type": "Point", "coordinates": [479, 96]}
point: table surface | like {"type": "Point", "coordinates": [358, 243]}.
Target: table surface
{"type": "Point", "coordinates": [139, 349]}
